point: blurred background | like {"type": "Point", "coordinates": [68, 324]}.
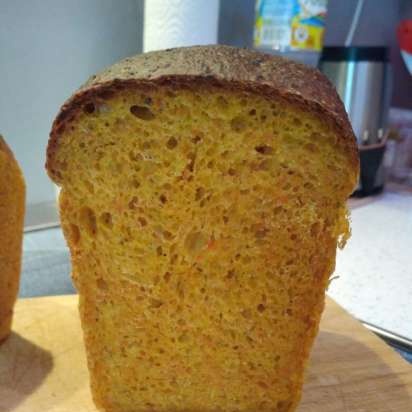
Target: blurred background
{"type": "Point", "coordinates": [49, 48]}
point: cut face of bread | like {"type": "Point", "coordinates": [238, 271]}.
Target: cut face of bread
{"type": "Point", "coordinates": [203, 221]}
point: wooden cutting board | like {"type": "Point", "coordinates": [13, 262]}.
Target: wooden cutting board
{"type": "Point", "coordinates": [43, 365]}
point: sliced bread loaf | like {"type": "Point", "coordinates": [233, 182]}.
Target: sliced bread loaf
{"type": "Point", "coordinates": [203, 197]}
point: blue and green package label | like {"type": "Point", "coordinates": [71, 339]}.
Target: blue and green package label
{"type": "Point", "coordinates": [290, 24]}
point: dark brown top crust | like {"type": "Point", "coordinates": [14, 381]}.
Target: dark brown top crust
{"type": "Point", "coordinates": [6, 149]}
{"type": "Point", "coordinates": [228, 67]}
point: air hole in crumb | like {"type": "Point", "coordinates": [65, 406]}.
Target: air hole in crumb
{"type": "Point", "coordinates": [246, 313]}
{"type": "Point", "coordinates": [238, 124]}
{"type": "Point", "coordinates": [171, 143]}
{"type": "Point", "coordinates": [89, 108]}
{"type": "Point", "coordinates": [246, 259]}
{"type": "Point", "coordinates": [74, 234]}
{"type": "Point", "coordinates": [261, 307]}
{"type": "Point", "coordinates": [167, 276]}
{"type": "Point", "coordinates": [315, 229]}
{"type": "Point", "coordinates": [264, 149]}
{"type": "Point", "coordinates": [199, 193]}
{"type": "Point", "coordinates": [147, 100]}
{"type": "Point", "coordinates": [89, 186]}
{"type": "Point", "coordinates": [231, 172]}
{"type": "Point", "coordinates": [167, 235]}
{"type": "Point", "coordinates": [102, 284]}
{"type": "Point", "coordinates": [196, 139]}
{"type": "Point", "coordinates": [159, 251]}
{"type": "Point", "coordinates": [222, 102]}
{"type": "Point", "coordinates": [88, 220]}
{"type": "Point", "coordinates": [283, 406]}
{"type": "Point", "coordinates": [266, 164]}
{"type": "Point", "coordinates": [252, 112]}
{"type": "Point", "coordinates": [180, 290]}
{"type": "Point", "coordinates": [142, 112]}
{"type": "Point", "coordinates": [133, 203]}
{"type": "Point", "coordinates": [230, 274]}
{"type": "Point", "coordinates": [142, 221]}
{"type": "Point", "coordinates": [163, 199]}
{"type": "Point", "coordinates": [106, 219]}
{"type": "Point", "coordinates": [155, 303]}
{"type": "Point", "coordinates": [311, 147]}
{"type": "Point", "coordinates": [183, 338]}
{"type": "Point", "coordinates": [135, 183]}
{"type": "Point", "coordinates": [224, 154]}
{"type": "Point", "coordinates": [277, 210]}
{"type": "Point", "coordinates": [259, 231]}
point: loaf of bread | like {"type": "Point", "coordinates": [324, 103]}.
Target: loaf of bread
{"type": "Point", "coordinates": [203, 197]}
{"type": "Point", "coordinates": [12, 197]}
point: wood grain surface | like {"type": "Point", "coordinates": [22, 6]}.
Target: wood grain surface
{"type": "Point", "coordinates": [43, 365]}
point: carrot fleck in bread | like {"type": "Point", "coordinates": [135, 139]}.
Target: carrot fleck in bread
{"type": "Point", "coordinates": [203, 197]}
{"type": "Point", "coordinates": [12, 197]}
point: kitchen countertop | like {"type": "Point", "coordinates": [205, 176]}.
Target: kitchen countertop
{"type": "Point", "coordinates": [374, 271]}
{"type": "Point", "coordinates": [46, 264]}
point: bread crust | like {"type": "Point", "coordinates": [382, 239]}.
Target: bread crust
{"type": "Point", "coordinates": [221, 66]}
{"type": "Point", "coordinates": [12, 199]}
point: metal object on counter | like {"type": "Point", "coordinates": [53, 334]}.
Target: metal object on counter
{"type": "Point", "coordinates": [371, 168]}
{"type": "Point", "coordinates": [360, 75]}
{"type": "Point", "coordinates": [362, 79]}
{"type": "Point", "coordinates": [393, 338]}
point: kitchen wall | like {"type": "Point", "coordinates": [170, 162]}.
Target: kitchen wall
{"type": "Point", "coordinates": [47, 49]}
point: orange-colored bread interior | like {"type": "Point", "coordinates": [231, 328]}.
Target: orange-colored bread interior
{"type": "Point", "coordinates": [203, 225]}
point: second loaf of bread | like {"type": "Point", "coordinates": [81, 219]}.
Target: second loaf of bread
{"type": "Point", "coordinates": [12, 198]}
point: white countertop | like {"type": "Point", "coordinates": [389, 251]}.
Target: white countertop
{"type": "Point", "coordinates": [375, 268]}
